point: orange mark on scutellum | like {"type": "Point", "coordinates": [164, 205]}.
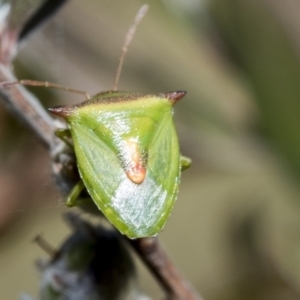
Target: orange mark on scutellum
{"type": "Point", "coordinates": [136, 174]}
{"type": "Point", "coordinates": [135, 171]}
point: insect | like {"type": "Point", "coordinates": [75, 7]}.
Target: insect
{"type": "Point", "coordinates": [128, 157]}
{"type": "Point", "coordinates": [127, 154]}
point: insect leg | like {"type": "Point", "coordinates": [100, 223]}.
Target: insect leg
{"type": "Point", "coordinates": [185, 162]}
{"type": "Point", "coordinates": [65, 135]}
{"type": "Point", "coordinates": [72, 199]}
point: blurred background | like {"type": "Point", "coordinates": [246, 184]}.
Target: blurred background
{"type": "Point", "coordinates": [235, 229]}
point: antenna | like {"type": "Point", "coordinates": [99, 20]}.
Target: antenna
{"type": "Point", "coordinates": [128, 38]}
{"type": "Point", "coordinates": [47, 84]}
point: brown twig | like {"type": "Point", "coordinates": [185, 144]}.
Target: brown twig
{"type": "Point", "coordinates": [157, 260]}
{"type": "Point", "coordinates": [27, 108]}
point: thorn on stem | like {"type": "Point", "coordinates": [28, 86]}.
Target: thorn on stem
{"type": "Point", "coordinates": [43, 244]}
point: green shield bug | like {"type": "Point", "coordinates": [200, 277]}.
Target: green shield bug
{"type": "Point", "coordinates": [127, 153]}
{"type": "Point", "coordinates": [128, 157]}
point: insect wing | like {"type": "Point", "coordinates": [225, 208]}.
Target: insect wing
{"type": "Point", "coordinates": [137, 210]}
